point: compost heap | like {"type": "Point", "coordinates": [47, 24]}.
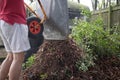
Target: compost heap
{"type": "Point", "coordinates": [56, 60]}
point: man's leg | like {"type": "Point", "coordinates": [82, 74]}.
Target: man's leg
{"type": "Point", "coordinates": [5, 66]}
{"type": "Point", "coordinates": [16, 66]}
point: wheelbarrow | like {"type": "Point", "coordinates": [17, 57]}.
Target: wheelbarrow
{"type": "Point", "coordinates": [49, 21]}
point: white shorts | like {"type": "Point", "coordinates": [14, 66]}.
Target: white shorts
{"type": "Point", "coordinates": [15, 37]}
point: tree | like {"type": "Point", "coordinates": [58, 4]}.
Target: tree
{"type": "Point", "coordinates": [94, 4]}
{"type": "Point", "coordinates": [118, 2]}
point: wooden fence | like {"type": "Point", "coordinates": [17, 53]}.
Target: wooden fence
{"type": "Point", "coordinates": [111, 16]}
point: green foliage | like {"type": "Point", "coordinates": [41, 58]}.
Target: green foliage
{"type": "Point", "coordinates": [43, 76]}
{"type": "Point", "coordinates": [86, 12]}
{"type": "Point", "coordinates": [29, 62]}
{"type": "Point", "coordinates": [95, 40]}
{"type": "Point", "coordinates": [94, 37]}
{"type": "Point", "coordinates": [84, 63]}
{"type": "Point", "coordinates": [98, 22]}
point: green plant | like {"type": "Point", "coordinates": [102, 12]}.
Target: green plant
{"type": "Point", "coordinates": [86, 12]}
{"type": "Point", "coordinates": [94, 37]}
{"type": "Point", "coordinates": [84, 63]}
{"type": "Point", "coordinates": [95, 40]}
{"type": "Point", "coordinates": [29, 62]}
{"type": "Point", "coordinates": [43, 76]}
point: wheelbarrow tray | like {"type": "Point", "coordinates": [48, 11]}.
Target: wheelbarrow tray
{"type": "Point", "coordinates": [56, 26]}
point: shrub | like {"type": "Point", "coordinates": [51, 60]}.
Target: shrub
{"type": "Point", "coordinates": [92, 36]}
{"type": "Point", "coordinates": [95, 40]}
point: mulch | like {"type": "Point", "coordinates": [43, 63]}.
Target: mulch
{"type": "Point", "coordinates": [56, 60]}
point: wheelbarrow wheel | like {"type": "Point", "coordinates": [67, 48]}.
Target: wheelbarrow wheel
{"type": "Point", "coordinates": [34, 26]}
{"type": "Point", "coordinates": [35, 44]}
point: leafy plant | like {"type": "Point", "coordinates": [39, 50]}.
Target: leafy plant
{"type": "Point", "coordinates": [94, 37]}
{"type": "Point", "coordinates": [86, 12]}
{"type": "Point", "coordinates": [29, 62]}
{"type": "Point", "coordinates": [95, 40]}
{"type": "Point", "coordinates": [84, 63]}
{"type": "Point", "coordinates": [43, 76]}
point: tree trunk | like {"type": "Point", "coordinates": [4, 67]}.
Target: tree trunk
{"type": "Point", "coordinates": [78, 1]}
{"type": "Point", "coordinates": [118, 2]}
{"type": "Point", "coordinates": [94, 4]}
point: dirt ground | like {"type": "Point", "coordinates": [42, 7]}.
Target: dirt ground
{"type": "Point", "coordinates": [2, 52]}
{"type": "Point", "coordinates": [56, 61]}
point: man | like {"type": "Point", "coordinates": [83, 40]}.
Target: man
{"type": "Point", "coordinates": [14, 33]}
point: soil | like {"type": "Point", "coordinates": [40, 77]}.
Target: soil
{"type": "Point", "coordinates": [56, 60]}
{"type": "Point", "coordinates": [2, 52]}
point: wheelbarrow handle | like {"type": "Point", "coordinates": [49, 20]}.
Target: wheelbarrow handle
{"type": "Point", "coordinates": [31, 10]}
{"type": "Point", "coordinates": [43, 11]}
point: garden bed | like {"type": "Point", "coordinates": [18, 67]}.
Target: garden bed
{"type": "Point", "coordinates": [56, 60]}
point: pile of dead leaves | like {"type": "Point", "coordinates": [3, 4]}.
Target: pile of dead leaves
{"type": "Point", "coordinates": [56, 61]}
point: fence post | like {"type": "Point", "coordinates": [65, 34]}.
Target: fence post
{"type": "Point", "coordinates": [109, 16]}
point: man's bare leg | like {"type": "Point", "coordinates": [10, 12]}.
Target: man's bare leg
{"type": "Point", "coordinates": [16, 66]}
{"type": "Point", "coordinates": [5, 66]}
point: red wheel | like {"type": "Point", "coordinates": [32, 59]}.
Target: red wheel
{"type": "Point", "coordinates": [35, 28]}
